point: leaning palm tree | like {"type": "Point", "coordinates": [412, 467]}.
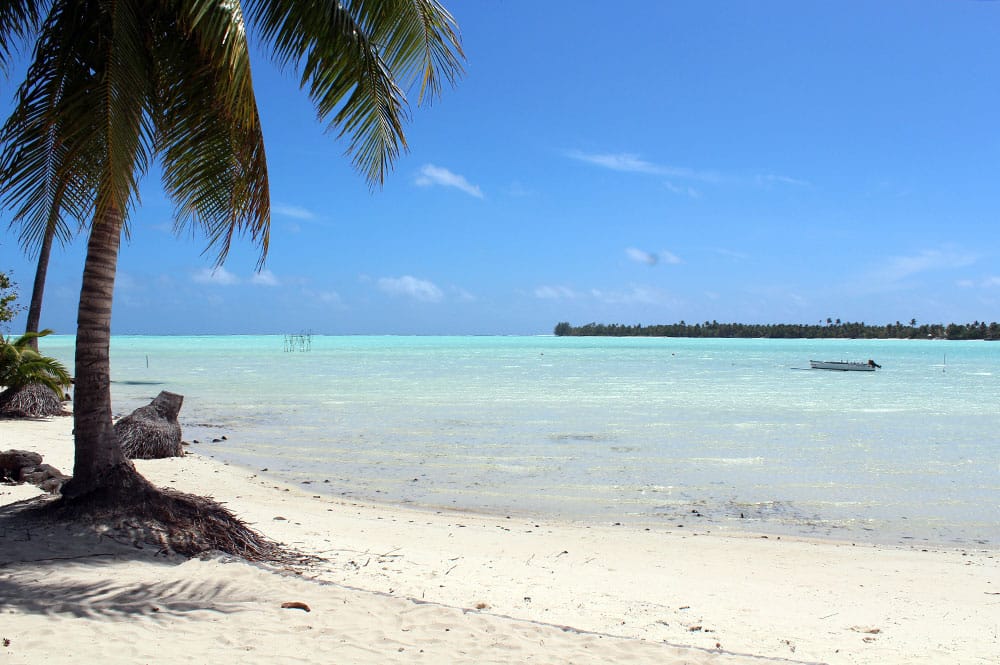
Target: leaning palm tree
{"type": "Point", "coordinates": [54, 229]}
{"type": "Point", "coordinates": [116, 84]}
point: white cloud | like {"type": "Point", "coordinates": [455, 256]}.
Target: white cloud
{"type": "Point", "coordinates": [265, 278]}
{"type": "Point", "coordinates": [411, 287]}
{"type": "Point", "coordinates": [650, 259]}
{"type": "Point", "coordinates": [900, 267]}
{"type": "Point", "coordinates": [771, 178]}
{"type": "Point", "coordinates": [431, 175]}
{"type": "Point", "coordinates": [555, 293]}
{"type": "Point", "coordinates": [462, 295]}
{"type": "Point", "coordinates": [127, 282]}
{"type": "Point", "coordinates": [731, 253]}
{"type": "Point", "coordinates": [630, 163]}
{"type": "Point", "coordinates": [220, 276]}
{"type": "Point", "coordinates": [635, 295]}
{"type": "Point", "coordinates": [619, 162]}
{"type": "Point", "coordinates": [985, 283]}
{"type": "Point", "coordinates": [296, 212]}
{"type": "Point", "coordinates": [670, 257]}
{"type": "Point", "coordinates": [687, 191]}
{"type": "Point", "coordinates": [640, 256]}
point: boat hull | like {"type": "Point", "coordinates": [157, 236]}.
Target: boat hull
{"type": "Point", "coordinates": [842, 366]}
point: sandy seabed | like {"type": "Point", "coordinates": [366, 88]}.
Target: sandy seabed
{"type": "Point", "coordinates": [394, 584]}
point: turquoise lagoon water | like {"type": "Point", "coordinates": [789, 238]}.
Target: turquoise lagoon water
{"type": "Point", "coordinates": [651, 431]}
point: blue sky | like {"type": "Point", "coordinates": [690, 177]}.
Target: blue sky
{"type": "Point", "coordinates": [642, 162]}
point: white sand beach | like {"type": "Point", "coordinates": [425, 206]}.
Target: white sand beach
{"type": "Point", "coordinates": [394, 584]}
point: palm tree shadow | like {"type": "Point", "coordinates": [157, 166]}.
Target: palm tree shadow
{"type": "Point", "coordinates": [72, 569]}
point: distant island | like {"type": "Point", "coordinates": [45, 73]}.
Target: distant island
{"type": "Point", "coordinates": [833, 329]}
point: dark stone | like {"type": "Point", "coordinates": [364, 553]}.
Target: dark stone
{"type": "Point", "coordinates": [12, 461]}
{"type": "Point", "coordinates": [152, 431]}
{"type": "Point", "coordinates": [26, 467]}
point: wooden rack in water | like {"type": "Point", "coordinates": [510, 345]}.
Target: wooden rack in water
{"type": "Point", "coordinates": [299, 342]}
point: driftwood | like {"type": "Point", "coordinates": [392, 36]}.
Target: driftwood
{"type": "Point", "coordinates": [34, 400]}
{"type": "Point", "coordinates": [152, 431]}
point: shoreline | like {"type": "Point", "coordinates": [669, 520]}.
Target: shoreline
{"type": "Point", "coordinates": [594, 431]}
{"type": "Point", "coordinates": [711, 527]}
{"type": "Point", "coordinates": [411, 578]}
{"type": "Point", "coordinates": [692, 515]}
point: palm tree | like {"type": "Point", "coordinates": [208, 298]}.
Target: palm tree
{"type": "Point", "coordinates": [20, 365]}
{"type": "Point", "coordinates": [33, 384]}
{"type": "Point", "coordinates": [53, 229]}
{"type": "Point", "coordinates": [115, 84]}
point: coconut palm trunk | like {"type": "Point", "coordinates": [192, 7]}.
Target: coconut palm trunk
{"type": "Point", "coordinates": [38, 288]}
{"type": "Point", "coordinates": [98, 457]}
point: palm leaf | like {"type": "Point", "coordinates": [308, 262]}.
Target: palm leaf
{"type": "Point", "coordinates": [18, 20]}
{"type": "Point", "coordinates": [122, 95]}
{"type": "Point", "coordinates": [348, 55]}
{"type": "Point", "coordinates": [21, 365]}
{"type": "Point", "coordinates": [208, 127]}
{"type": "Point", "coordinates": [47, 164]}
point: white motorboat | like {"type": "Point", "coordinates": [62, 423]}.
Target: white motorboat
{"type": "Point", "coordinates": [845, 366]}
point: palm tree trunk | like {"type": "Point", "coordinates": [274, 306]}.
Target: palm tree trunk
{"type": "Point", "coordinates": [38, 289]}
{"type": "Point", "coordinates": [99, 462]}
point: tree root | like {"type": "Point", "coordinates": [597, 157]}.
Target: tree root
{"type": "Point", "coordinates": [136, 511]}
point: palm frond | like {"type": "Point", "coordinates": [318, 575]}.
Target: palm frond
{"type": "Point", "coordinates": [24, 341]}
{"type": "Point", "coordinates": [18, 20]}
{"type": "Point", "coordinates": [209, 133]}
{"type": "Point", "coordinates": [48, 143]}
{"type": "Point", "coordinates": [21, 365]}
{"type": "Point", "coordinates": [123, 92]}
{"type": "Point", "coordinates": [349, 56]}
{"type": "Point", "coordinates": [418, 39]}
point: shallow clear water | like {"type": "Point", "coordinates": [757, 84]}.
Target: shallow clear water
{"type": "Point", "coordinates": [668, 431]}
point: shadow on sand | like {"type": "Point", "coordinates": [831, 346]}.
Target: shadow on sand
{"type": "Point", "coordinates": [70, 569]}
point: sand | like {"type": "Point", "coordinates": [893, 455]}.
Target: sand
{"type": "Point", "coordinates": [395, 584]}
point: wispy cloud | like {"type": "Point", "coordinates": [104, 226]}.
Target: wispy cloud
{"type": "Point", "coordinates": [323, 297]}
{"type": "Point", "coordinates": [640, 256]}
{"type": "Point", "coordinates": [295, 212]}
{"type": "Point", "coordinates": [265, 278]}
{"type": "Point", "coordinates": [670, 257]}
{"type": "Point", "coordinates": [631, 163]}
{"type": "Point", "coordinates": [985, 283]}
{"type": "Point", "coordinates": [772, 179]}
{"type": "Point", "coordinates": [627, 162]}
{"type": "Point", "coordinates": [127, 282]}
{"type": "Point", "coordinates": [411, 287]}
{"type": "Point", "coordinates": [901, 267]}
{"type": "Point", "coordinates": [731, 253]}
{"type": "Point", "coordinates": [635, 294]}
{"type": "Point", "coordinates": [651, 259]}
{"type": "Point", "coordinates": [685, 191]}
{"type": "Point", "coordinates": [219, 276]}
{"type": "Point", "coordinates": [431, 175]}
{"type": "Point", "coordinates": [555, 293]}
